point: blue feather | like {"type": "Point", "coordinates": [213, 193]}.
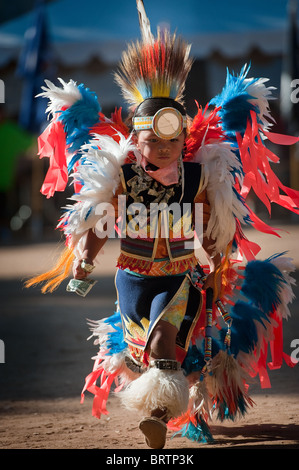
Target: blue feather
{"type": "Point", "coordinates": [199, 433]}
{"type": "Point", "coordinates": [225, 414]}
{"type": "Point", "coordinates": [262, 284]}
{"type": "Point", "coordinates": [276, 255]}
{"type": "Point", "coordinates": [113, 319]}
{"type": "Point", "coordinates": [194, 360]}
{"type": "Point", "coordinates": [73, 161]}
{"type": "Point", "coordinates": [115, 341]}
{"type": "Point", "coordinates": [234, 102]}
{"type": "Point", "coordinates": [78, 119]}
{"type": "Point", "coordinates": [88, 213]}
{"type": "Point", "coordinates": [243, 330]}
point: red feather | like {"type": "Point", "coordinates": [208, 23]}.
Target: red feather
{"type": "Point", "coordinates": [111, 127]}
{"type": "Point", "coordinates": [205, 128]}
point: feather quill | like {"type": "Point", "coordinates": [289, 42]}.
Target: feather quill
{"type": "Point", "coordinates": [144, 23]}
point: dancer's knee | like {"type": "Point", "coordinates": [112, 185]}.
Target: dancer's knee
{"type": "Point", "coordinates": [162, 342]}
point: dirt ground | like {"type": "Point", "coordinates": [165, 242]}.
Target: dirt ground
{"type": "Point", "coordinates": [47, 358]}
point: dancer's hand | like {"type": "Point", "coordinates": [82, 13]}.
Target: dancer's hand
{"type": "Point", "coordinates": [214, 282]}
{"type": "Point", "coordinates": [78, 271]}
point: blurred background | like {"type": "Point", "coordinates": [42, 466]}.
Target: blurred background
{"type": "Point", "coordinates": [84, 40]}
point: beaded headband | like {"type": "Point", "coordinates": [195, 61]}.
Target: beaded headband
{"type": "Point", "coordinates": [167, 123]}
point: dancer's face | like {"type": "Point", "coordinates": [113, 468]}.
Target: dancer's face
{"type": "Point", "coordinates": [159, 152]}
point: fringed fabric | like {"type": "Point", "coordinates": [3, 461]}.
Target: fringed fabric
{"type": "Point", "coordinates": [258, 174]}
{"type": "Point", "coordinates": [52, 144]}
{"type": "Point", "coordinates": [155, 268]}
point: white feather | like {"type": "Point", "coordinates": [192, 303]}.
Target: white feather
{"type": "Point", "coordinates": [100, 329]}
{"type": "Point", "coordinates": [144, 23]}
{"type": "Point", "coordinates": [286, 294]}
{"type": "Point", "coordinates": [218, 160]}
{"type": "Point", "coordinates": [265, 334]}
{"type": "Point", "coordinates": [111, 363]}
{"type": "Point", "coordinates": [261, 95]}
{"type": "Point", "coordinates": [200, 399]}
{"type": "Point", "coordinates": [158, 389]}
{"type": "Point", "coordinates": [115, 364]}
{"type": "Point", "coordinates": [226, 378]}
{"type": "Point", "coordinates": [60, 97]}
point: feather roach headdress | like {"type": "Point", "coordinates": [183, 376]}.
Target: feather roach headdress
{"type": "Point", "coordinates": [153, 67]}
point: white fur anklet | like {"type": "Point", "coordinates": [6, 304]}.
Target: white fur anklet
{"type": "Point", "coordinates": [158, 388]}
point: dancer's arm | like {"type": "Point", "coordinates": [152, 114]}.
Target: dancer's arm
{"type": "Point", "coordinates": [93, 245]}
{"type": "Point", "coordinates": [214, 259]}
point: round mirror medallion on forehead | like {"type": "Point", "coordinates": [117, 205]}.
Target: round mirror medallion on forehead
{"type": "Point", "coordinates": [168, 123]}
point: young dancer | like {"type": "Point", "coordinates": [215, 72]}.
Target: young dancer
{"type": "Point", "coordinates": [179, 345]}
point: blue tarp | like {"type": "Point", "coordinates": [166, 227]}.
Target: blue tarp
{"type": "Point", "coordinates": [81, 29]}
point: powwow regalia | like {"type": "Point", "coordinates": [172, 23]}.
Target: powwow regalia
{"type": "Point", "coordinates": [223, 339]}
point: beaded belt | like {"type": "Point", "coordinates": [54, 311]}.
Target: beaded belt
{"type": "Point", "coordinates": [165, 364]}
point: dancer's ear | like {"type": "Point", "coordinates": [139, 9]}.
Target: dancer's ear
{"type": "Point", "coordinates": [135, 139]}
